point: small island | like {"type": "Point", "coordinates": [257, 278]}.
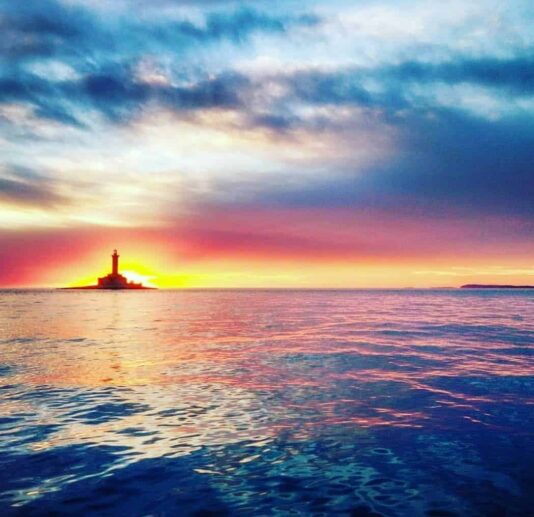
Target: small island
{"type": "Point", "coordinates": [495, 286]}
{"type": "Point", "coordinates": [114, 280]}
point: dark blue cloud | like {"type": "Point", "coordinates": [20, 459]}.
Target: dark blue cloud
{"type": "Point", "coordinates": [103, 54]}
{"type": "Point", "coordinates": [36, 29]}
{"type": "Point", "coordinates": [515, 74]}
{"type": "Point", "coordinates": [455, 161]}
{"type": "Point", "coordinates": [330, 88]}
{"type": "Point", "coordinates": [23, 87]}
{"type": "Point", "coordinates": [117, 94]}
{"type": "Point", "coordinates": [448, 160]}
{"type": "Point", "coordinates": [449, 163]}
{"type": "Point", "coordinates": [46, 28]}
{"type": "Point", "coordinates": [48, 99]}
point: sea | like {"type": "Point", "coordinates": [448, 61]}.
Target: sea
{"type": "Point", "coordinates": [267, 402]}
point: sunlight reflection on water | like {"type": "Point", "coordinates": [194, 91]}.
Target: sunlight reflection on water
{"type": "Point", "coordinates": [262, 402]}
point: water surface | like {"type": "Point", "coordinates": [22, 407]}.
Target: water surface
{"type": "Point", "coordinates": [266, 403]}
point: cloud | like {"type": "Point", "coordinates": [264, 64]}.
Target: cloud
{"type": "Point", "coordinates": [322, 233]}
{"type": "Point", "coordinates": [235, 26]}
{"type": "Point", "coordinates": [445, 158]}
{"type": "Point", "coordinates": [389, 87]}
{"type": "Point", "coordinates": [24, 187]}
{"type": "Point", "coordinates": [117, 94]}
{"type": "Point", "coordinates": [458, 160]}
{"type": "Point", "coordinates": [102, 52]}
{"type": "Point", "coordinates": [456, 117]}
{"type": "Point", "coordinates": [514, 75]}
{"type": "Point", "coordinates": [44, 28]}
{"type": "Point", "coordinates": [37, 29]}
{"type": "Point", "coordinates": [448, 163]}
{"type": "Point", "coordinates": [116, 91]}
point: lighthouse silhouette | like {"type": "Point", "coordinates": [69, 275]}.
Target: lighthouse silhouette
{"type": "Point", "coordinates": [114, 280]}
{"type": "Point", "coordinates": [115, 263]}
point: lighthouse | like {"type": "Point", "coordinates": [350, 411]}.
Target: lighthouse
{"type": "Point", "coordinates": [115, 263]}
{"type": "Point", "coordinates": [114, 280]}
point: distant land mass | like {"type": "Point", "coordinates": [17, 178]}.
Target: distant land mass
{"type": "Point", "coordinates": [496, 286]}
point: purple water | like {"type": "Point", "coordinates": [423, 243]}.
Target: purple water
{"type": "Point", "coordinates": [266, 403]}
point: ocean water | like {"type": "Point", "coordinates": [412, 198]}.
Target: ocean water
{"type": "Point", "coordinates": [362, 403]}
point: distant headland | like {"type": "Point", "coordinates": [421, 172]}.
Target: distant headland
{"type": "Point", "coordinates": [496, 286]}
{"type": "Point", "coordinates": [114, 280]}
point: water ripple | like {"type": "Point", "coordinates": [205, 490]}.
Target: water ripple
{"type": "Point", "coordinates": [359, 403]}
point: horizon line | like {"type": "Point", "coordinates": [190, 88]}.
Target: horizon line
{"type": "Point", "coordinates": [289, 288]}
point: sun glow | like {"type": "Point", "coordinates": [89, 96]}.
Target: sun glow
{"type": "Point", "coordinates": [139, 278]}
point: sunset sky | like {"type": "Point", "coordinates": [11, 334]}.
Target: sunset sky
{"type": "Point", "coordinates": [267, 144]}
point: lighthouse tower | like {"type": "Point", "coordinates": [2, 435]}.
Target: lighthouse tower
{"type": "Point", "coordinates": [115, 263]}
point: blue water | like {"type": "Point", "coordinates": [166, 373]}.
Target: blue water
{"type": "Point", "coordinates": [362, 403]}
